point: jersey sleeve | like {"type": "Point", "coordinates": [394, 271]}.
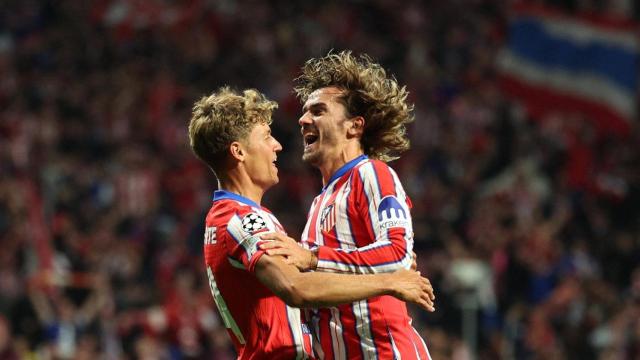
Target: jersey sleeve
{"type": "Point", "coordinates": [384, 208]}
{"type": "Point", "coordinates": [244, 229]}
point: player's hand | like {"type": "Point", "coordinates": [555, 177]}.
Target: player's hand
{"type": "Point", "coordinates": [409, 286]}
{"type": "Point", "coordinates": [293, 253]}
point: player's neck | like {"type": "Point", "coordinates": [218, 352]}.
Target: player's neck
{"type": "Point", "coordinates": [333, 164]}
{"type": "Point", "coordinates": [242, 186]}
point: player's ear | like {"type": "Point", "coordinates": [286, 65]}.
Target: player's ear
{"type": "Point", "coordinates": [236, 151]}
{"type": "Point", "coordinates": [357, 127]}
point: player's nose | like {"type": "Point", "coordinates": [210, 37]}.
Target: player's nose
{"type": "Point", "coordinates": [304, 119]}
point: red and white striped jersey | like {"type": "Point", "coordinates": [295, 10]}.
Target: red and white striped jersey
{"type": "Point", "coordinates": [360, 223]}
{"type": "Point", "coordinates": [260, 324]}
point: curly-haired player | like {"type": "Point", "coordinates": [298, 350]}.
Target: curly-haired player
{"type": "Point", "coordinates": [353, 120]}
{"type": "Point", "coordinates": [256, 294]}
{"type": "Point", "coordinates": [367, 92]}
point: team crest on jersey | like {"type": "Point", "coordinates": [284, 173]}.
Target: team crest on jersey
{"type": "Point", "coordinates": [328, 218]}
{"type": "Point", "coordinates": [253, 223]}
{"type": "Point", "coordinates": [391, 214]}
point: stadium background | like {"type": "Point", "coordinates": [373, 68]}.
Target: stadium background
{"type": "Point", "coordinates": [528, 229]}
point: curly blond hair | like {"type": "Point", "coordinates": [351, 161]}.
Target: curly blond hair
{"type": "Point", "coordinates": [367, 92]}
{"type": "Point", "coordinates": [224, 117]}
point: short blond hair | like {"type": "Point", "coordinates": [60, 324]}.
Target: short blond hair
{"type": "Point", "coordinates": [367, 92]}
{"type": "Point", "coordinates": [224, 117]}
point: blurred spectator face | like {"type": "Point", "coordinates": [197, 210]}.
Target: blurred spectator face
{"type": "Point", "coordinates": [87, 348]}
{"type": "Point", "coordinates": [260, 155]}
{"type": "Point", "coordinates": [148, 348]}
{"type": "Point", "coordinates": [324, 126]}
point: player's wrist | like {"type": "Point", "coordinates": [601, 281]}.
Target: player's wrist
{"type": "Point", "coordinates": [388, 284]}
{"type": "Point", "coordinates": [313, 259]}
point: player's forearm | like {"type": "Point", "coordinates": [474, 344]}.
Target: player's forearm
{"type": "Point", "coordinates": [315, 289]}
{"type": "Point", "coordinates": [323, 289]}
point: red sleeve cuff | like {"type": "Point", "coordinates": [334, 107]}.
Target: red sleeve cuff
{"type": "Point", "coordinates": [254, 260]}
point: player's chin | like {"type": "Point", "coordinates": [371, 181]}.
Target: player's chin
{"type": "Point", "coordinates": [311, 158]}
{"type": "Point", "coordinates": [275, 179]}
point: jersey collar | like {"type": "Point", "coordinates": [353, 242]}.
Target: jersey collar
{"type": "Point", "coordinates": [344, 169]}
{"type": "Point", "coordinates": [224, 194]}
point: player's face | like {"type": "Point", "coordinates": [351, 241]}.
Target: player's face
{"type": "Point", "coordinates": [324, 126]}
{"type": "Point", "coordinates": [261, 153]}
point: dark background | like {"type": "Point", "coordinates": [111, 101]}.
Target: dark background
{"type": "Point", "coordinates": [529, 230]}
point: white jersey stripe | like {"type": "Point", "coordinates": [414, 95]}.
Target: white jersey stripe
{"type": "Point", "coordinates": [305, 232]}
{"type": "Point", "coordinates": [334, 266]}
{"type": "Point", "coordinates": [313, 319]}
{"type": "Point", "coordinates": [344, 232]}
{"type": "Point", "coordinates": [372, 192]}
{"type": "Point", "coordinates": [337, 337]}
{"type": "Point", "coordinates": [234, 227]}
{"type": "Point", "coordinates": [277, 226]}
{"type": "Point", "coordinates": [295, 325]}
{"type": "Point", "coordinates": [363, 329]}
{"type": "Point", "coordinates": [415, 348]}
{"type": "Point", "coordinates": [396, 352]}
{"type": "Point", "coordinates": [374, 201]}
{"type": "Point", "coordinates": [321, 204]}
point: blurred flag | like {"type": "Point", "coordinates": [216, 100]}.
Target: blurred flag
{"type": "Point", "coordinates": [555, 62]}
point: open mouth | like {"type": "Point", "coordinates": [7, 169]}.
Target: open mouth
{"type": "Point", "coordinates": [309, 139]}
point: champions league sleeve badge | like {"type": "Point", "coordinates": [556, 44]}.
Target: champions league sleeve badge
{"type": "Point", "coordinates": [253, 223]}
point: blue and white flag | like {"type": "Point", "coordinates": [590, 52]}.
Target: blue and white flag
{"type": "Point", "coordinates": [554, 62]}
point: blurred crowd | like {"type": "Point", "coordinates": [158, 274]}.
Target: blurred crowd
{"type": "Point", "coordinates": [529, 229]}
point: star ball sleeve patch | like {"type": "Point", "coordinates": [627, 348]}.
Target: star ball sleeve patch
{"type": "Point", "coordinates": [253, 223]}
{"type": "Point", "coordinates": [244, 230]}
{"type": "Point", "coordinates": [391, 213]}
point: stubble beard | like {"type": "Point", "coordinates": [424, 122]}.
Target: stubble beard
{"type": "Point", "coordinates": [311, 158]}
